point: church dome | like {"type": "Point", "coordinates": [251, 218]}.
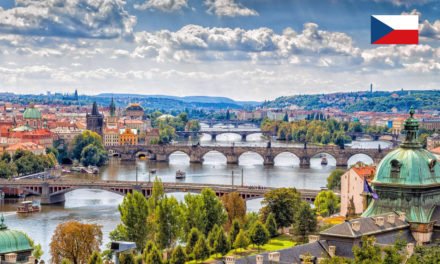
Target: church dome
{"type": "Point", "coordinates": [12, 241]}
{"type": "Point", "coordinates": [410, 165]}
{"type": "Point", "coordinates": [31, 113]}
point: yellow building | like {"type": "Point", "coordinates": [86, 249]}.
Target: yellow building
{"type": "Point", "coordinates": [128, 137]}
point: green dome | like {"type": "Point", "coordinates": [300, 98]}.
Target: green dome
{"type": "Point", "coordinates": [13, 241]}
{"type": "Point", "coordinates": [31, 113]}
{"type": "Point", "coordinates": [409, 167]}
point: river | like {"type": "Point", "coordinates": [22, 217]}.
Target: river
{"type": "Point", "coordinates": [100, 207]}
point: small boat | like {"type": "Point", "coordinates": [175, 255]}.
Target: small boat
{"type": "Point", "coordinates": [28, 207]}
{"type": "Point", "coordinates": [324, 161]}
{"type": "Point", "coordinates": [180, 174]}
{"type": "Point", "coordinates": [77, 169]}
{"type": "Point", "coordinates": [153, 171]}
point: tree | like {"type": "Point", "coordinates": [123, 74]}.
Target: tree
{"type": "Point", "coordinates": [127, 258]}
{"type": "Point", "coordinates": [37, 252]}
{"type": "Point", "coordinates": [66, 261]}
{"type": "Point", "coordinates": [134, 216]}
{"type": "Point", "coordinates": [157, 194]}
{"type": "Point", "coordinates": [368, 252]}
{"type": "Point", "coordinates": [168, 222]}
{"type": "Point", "coordinates": [154, 257]}
{"type": "Point", "coordinates": [92, 155]}
{"type": "Point", "coordinates": [250, 219]}
{"type": "Point", "coordinates": [192, 240]}
{"type": "Point", "coordinates": [233, 232]}
{"type": "Point", "coordinates": [228, 115]}
{"type": "Point", "coordinates": [282, 203]}
{"type": "Point", "coordinates": [201, 250]}
{"type": "Point", "coordinates": [221, 244]}
{"type": "Point", "coordinates": [6, 157]}
{"type": "Point", "coordinates": [235, 206]}
{"type": "Point", "coordinates": [305, 220]}
{"type": "Point", "coordinates": [194, 215]}
{"type": "Point", "coordinates": [271, 225]}
{"type": "Point", "coordinates": [425, 255]}
{"type": "Point", "coordinates": [258, 234]}
{"type": "Point", "coordinates": [82, 140]}
{"type": "Point", "coordinates": [334, 179]}
{"type": "Point", "coordinates": [75, 241]}
{"type": "Point", "coordinates": [212, 237]}
{"type": "Point", "coordinates": [178, 256]}
{"type": "Point", "coordinates": [95, 258]}
{"type": "Point", "coordinates": [327, 203]}
{"type": "Point", "coordinates": [7, 170]}
{"type": "Point", "coordinates": [241, 241]}
{"type": "Point", "coordinates": [214, 210]}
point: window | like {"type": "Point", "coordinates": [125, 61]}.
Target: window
{"type": "Point", "coordinates": [395, 168]}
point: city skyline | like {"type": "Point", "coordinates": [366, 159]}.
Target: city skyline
{"type": "Point", "coordinates": [244, 50]}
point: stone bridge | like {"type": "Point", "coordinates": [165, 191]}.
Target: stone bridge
{"type": "Point", "coordinates": [232, 153]}
{"type": "Point", "coordinates": [214, 133]}
{"type": "Point", "coordinates": [52, 191]}
{"type": "Point", "coordinates": [372, 135]}
{"type": "Point", "coordinates": [236, 123]}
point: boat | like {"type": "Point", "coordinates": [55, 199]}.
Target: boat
{"type": "Point", "coordinates": [324, 161]}
{"type": "Point", "coordinates": [28, 207]}
{"type": "Point", "coordinates": [153, 171]}
{"type": "Point", "coordinates": [180, 174]}
{"type": "Point", "coordinates": [77, 169]}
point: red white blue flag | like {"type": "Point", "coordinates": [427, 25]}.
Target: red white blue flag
{"type": "Point", "coordinates": [392, 29]}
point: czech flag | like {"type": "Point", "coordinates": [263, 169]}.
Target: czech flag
{"type": "Point", "coordinates": [389, 29]}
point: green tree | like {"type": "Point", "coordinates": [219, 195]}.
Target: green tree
{"type": "Point", "coordinates": [157, 194]}
{"type": "Point", "coordinates": [212, 237]}
{"type": "Point", "coordinates": [201, 250]}
{"type": "Point", "coordinates": [271, 225]}
{"type": "Point", "coordinates": [66, 261]}
{"type": "Point", "coordinates": [6, 157]}
{"type": "Point", "coordinates": [282, 203]}
{"type": "Point", "coordinates": [258, 234]}
{"type": "Point", "coordinates": [250, 219]}
{"type": "Point", "coordinates": [127, 258]}
{"type": "Point", "coordinates": [214, 210]}
{"type": "Point", "coordinates": [93, 155]}
{"type": "Point", "coordinates": [368, 253]}
{"type": "Point", "coordinates": [134, 215]}
{"type": "Point", "coordinates": [95, 258]}
{"type": "Point", "coordinates": [168, 222]}
{"type": "Point", "coordinates": [334, 179]}
{"type": "Point", "coordinates": [241, 241]}
{"type": "Point", "coordinates": [178, 256]}
{"type": "Point", "coordinates": [154, 257]}
{"type": "Point", "coordinates": [191, 242]}
{"type": "Point", "coordinates": [82, 140]}
{"type": "Point", "coordinates": [305, 220]}
{"type": "Point", "coordinates": [221, 244]}
{"type": "Point", "coordinates": [327, 203]}
{"type": "Point", "coordinates": [7, 170]}
{"type": "Point", "coordinates": [233, 232]}
{"type": "Point", "coordinates": [194, 214]}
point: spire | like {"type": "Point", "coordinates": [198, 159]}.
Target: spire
{"type": "Point", "coordinates": [3, 225]}
{"type": "Point", "coordinates": [411, 128]}
{"type": "Point", "coordinates": [95, 109]}
{"type": "Point", "coordinates": [112, 108]}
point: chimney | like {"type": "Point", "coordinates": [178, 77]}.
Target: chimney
{"type": "Point", "coordinates": [313, 238]}
{"type": "Point", "coordinates": [260, 259]}
{"type": "Point", "coordinates": [379, 221]}
{"type": "Point", "coordinates": [356, 226]}
{"type": "Point", "coordinates": [11, 257]}
{"type": "Point", "coordinates": [274, 256]}
{"type": "Point", "coordinates": [332, 251]}
{"type": "Point", "coordinates": [391, 218]}
{"type": "Point", "coordinates": [402, 216]}
{"type": "Point", "coordinates": [230, 260]}
{"type": "Point", "coordinates": [410, 249]}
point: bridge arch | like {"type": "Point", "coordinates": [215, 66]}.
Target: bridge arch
{"type": "Point", "coordinates": [144, 154]}
{"type": "Point", "coordinates": [286, 158]}
{"type": "Point", "coordinates": [318, 159]}
{"type": "Point", "coordinates": [242, 155]}
{"type": "Point", "coordinates": [212, 157]}
{"type": "Point", "coordinates": [185, 159]}
{"type": "Point", "coordinates": [360, 157]}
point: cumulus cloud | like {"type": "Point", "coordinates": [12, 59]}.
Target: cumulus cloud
{"type": "Point", "coordinates": [68, 18]}
{"type": "Point", "coordinates": [406, 3]}
{"type": "Point", "coordinates": [228, 8]}
{"type": "Point", "coordinates": [167, 6]}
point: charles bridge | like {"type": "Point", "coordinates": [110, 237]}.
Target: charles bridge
{"type": "Point", "coordinates": [232, 153]}
{"type": "Point", "coordinates": [235, 123]}
{"type": "Point", "coordinates": [52, 191]}
{"type": "Point", "coordinates": [215, 133]}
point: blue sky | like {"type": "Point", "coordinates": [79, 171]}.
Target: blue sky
{"type": "Point", "coordinates": [243, 49]}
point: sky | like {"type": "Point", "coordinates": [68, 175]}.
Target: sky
{"type": "Point", "coordinates": [242, 49]}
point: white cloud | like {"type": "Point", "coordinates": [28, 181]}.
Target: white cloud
{"type": "Point", "coordinates": [167, 6]}
{"type": "Point", "coordinates": [228, 8]}
{"type": "Point", "coordinates": [406, 3]}
{"type": "Point", "coordinates": [68, 18]}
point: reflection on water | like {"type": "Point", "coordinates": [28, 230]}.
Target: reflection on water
{"type": "Point", "coordinates": [100, 207]}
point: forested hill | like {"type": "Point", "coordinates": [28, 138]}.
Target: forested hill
{"type": "Point", "coordinates": [363, 101]}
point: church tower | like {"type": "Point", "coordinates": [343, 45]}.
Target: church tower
{"type": "Point", "coordinates": [112, 119]}
{"type": "Point", "coordinates": [95, 120]}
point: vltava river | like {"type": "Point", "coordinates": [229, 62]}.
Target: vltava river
{"type": "Point", "coordinates": [100, 207]}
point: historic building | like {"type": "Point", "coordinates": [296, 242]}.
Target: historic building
{"type": "Point", "coordinates": [14, 245]}
{"type": "Point", "coordinates": [134, 111]}
{"type": "Point", "coordinates": [110, 137]}
{"type": "Point", "coordinates": [32, 117]}
{"type": "Point", "coordinates": [111, 120]}
{"type": "Point", "coordinates": [95, 120]}
{"type": "Point", "coordinates": [128, 137]}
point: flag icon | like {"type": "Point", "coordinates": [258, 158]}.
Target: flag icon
{"type": "Point", "coordinates": [395, 29]}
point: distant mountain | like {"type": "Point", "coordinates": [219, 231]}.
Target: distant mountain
{"type": "Point", "coordinates": [173, 102]}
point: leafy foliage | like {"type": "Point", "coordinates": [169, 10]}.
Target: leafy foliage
{"type": "Point", "coordinates": [201, 250]}
{"type": "Point", "coordinates": [178, 256]}
{"type": "Point", "coordinates": [334, 179]}
{"type": "Point", "coordinates": [235, 206]}
{"type": "Point", "coordinates": [305, 220]}
{"type": "Point", "coordinates": [271, 225]}
{"type": "Point", "coordinates": [327, 203]}
{"type": "Point", "coordinates": [95, 258]}
{"type": "Point", "coordinates": [282, 203]}
{"type": "Point", "coordinates": [241, 241]}
{"type": "Point", "coordinates": [258, 234]}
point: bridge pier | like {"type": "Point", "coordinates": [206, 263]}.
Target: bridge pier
{"type": "Point", "coordinates": [214, 137]}
{"type": "Point", "coordinates": [304, 162]}
{"type": "Point", "coordinates": [232, 159]}
{"type": "Point", "coordinates": [243, 137]}
{"type": "Point", "coordinates": [127, 156]}
{"type": "Point", "coordinates": [162, 157]}
{"type": "Point", "coordinates": [47, 198]}
{"type": "Point", "coordinates": [341, 161]}
{"type": "Point", "coordinates": [194, 158]}
{"type": "Point", "coordinates": [269, 160]}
